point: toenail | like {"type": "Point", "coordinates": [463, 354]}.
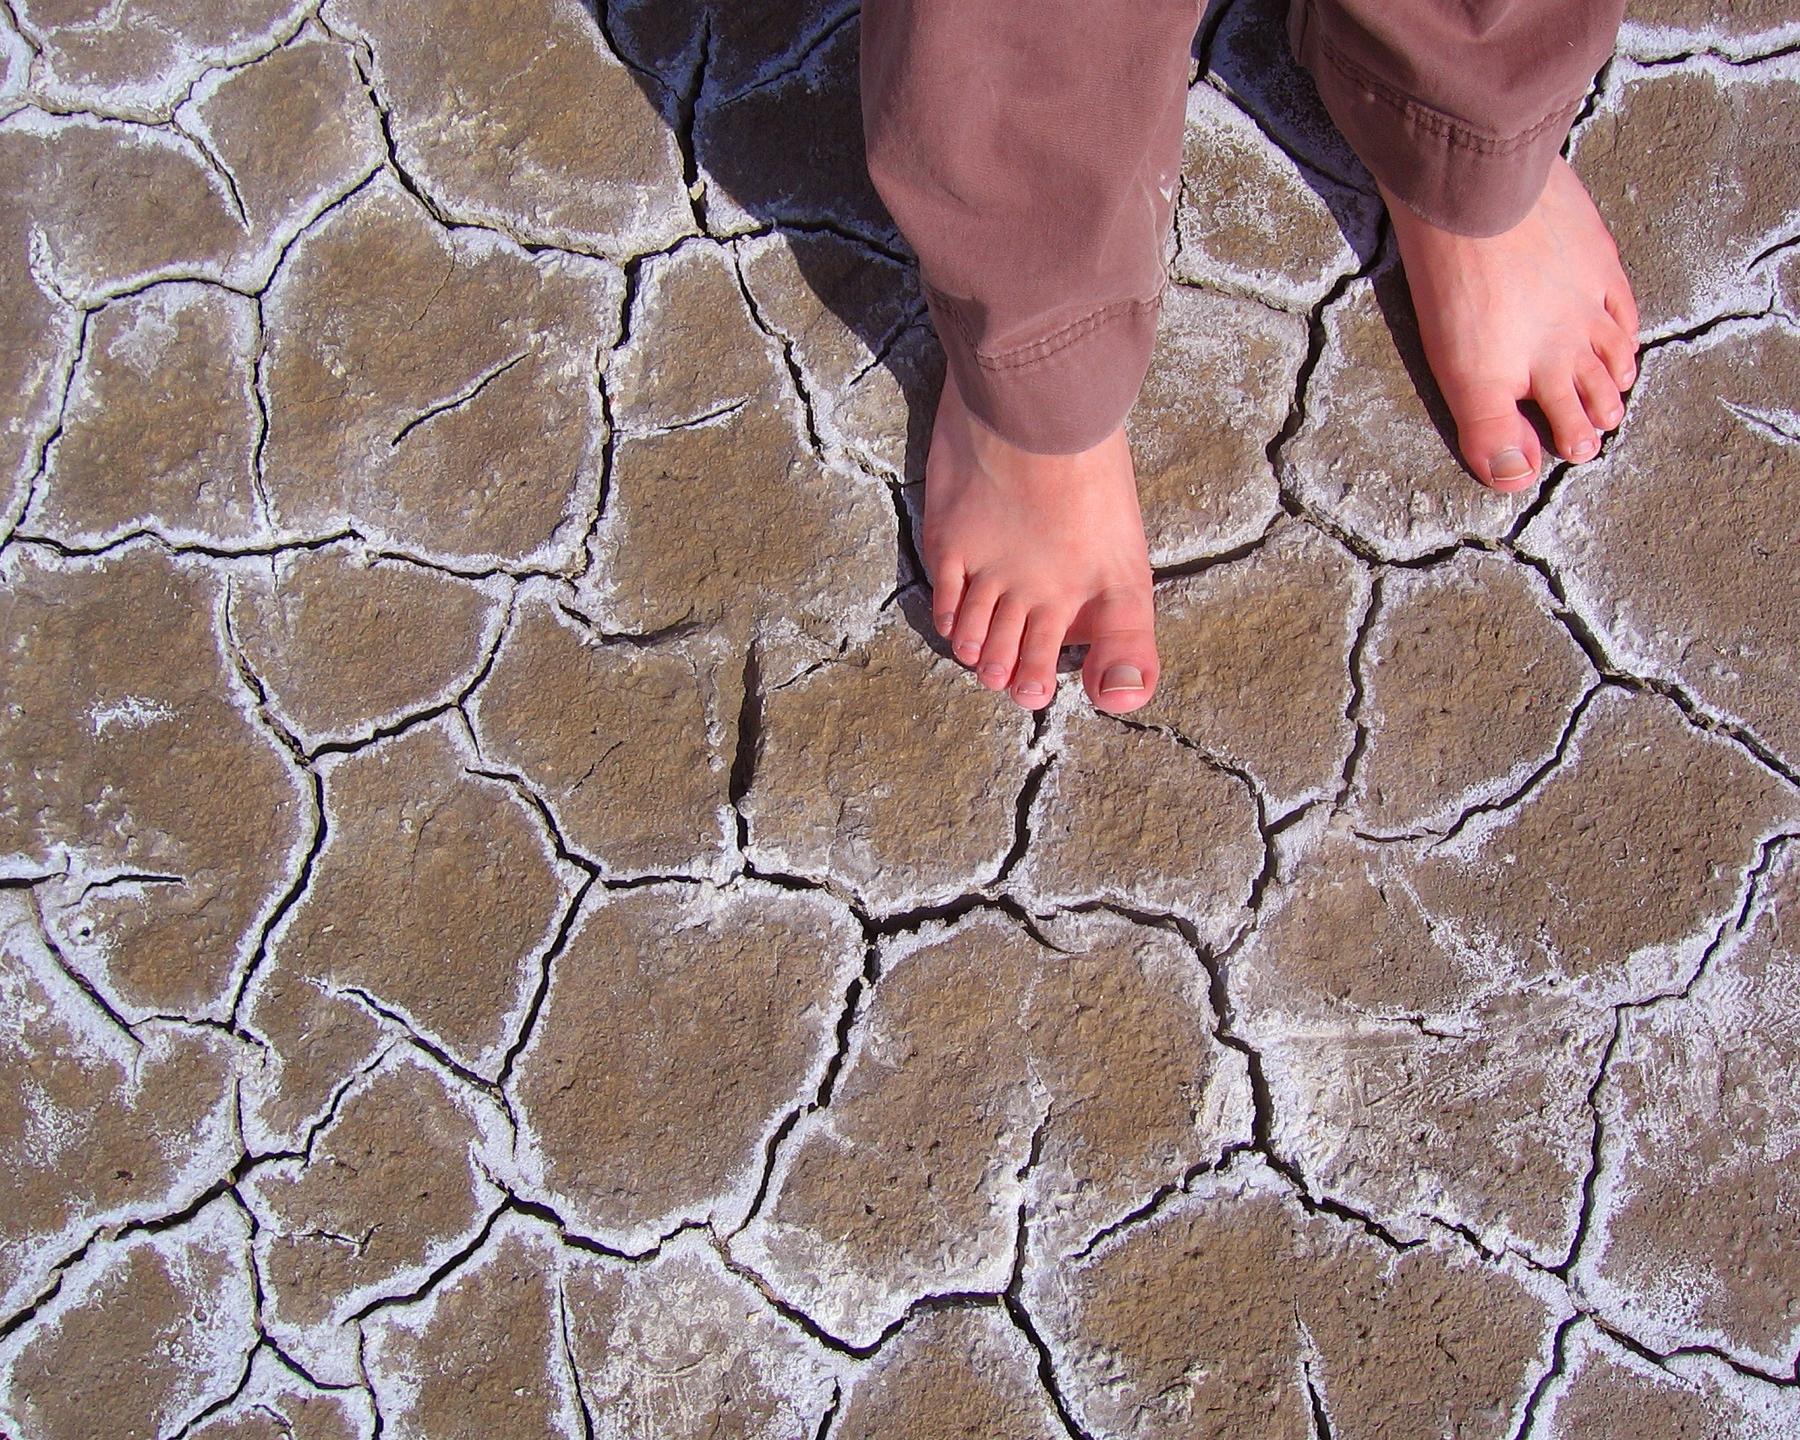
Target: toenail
{"type": "Point", "coordinates": [1582, 449]}
{"type": "Point", "coordinates": [1121, 677]}
{"type": "Point", "coordinates": [946, 622]}
{"type": "Point", "coordinates": [1030, 689]}
{"type": "Point", "coordinates": [1509, 465]}
{"type": "Point", "coordinates": [968, 652]}
{"type": "Point", "coordinates": [994, 671]}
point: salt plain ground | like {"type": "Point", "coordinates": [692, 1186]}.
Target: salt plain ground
{"type": "Point", "coordinates": [510, 928]}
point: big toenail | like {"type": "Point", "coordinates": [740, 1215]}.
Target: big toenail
{"type": "Point", "coordinates": [1030, 689]}
{"type": "Point", "coordinates": [1509, 465]}
{"type": "Point", "coordinates": [1121, 677]}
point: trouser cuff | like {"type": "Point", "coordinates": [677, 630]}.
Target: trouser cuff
{"type": "Point", "coordinates": [1469, 178]}
{"type": "Point", "coordinates": [1059, 394]}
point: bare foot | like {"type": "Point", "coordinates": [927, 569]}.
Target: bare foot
{"type": "Point", "coordinates": [1542, 310]}
{"type": "Point", "coordinates": [1029, 552]}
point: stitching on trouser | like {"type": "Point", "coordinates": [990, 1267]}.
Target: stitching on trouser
{"type": "Point", "coordinates": [1029, 354]}
{"type": "Point", "coordinates": [1433, 121]}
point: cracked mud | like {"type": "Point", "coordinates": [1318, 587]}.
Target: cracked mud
{"type": "Point", "coordinates": [510, 923]}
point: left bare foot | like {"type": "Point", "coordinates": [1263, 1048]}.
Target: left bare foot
{"type": "Point", "coordinates": [1540, 311]}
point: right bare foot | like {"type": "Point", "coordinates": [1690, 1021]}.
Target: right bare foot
{"type": "Point", "coordinates": [1030, 552]}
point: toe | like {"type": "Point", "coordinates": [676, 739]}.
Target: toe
{"type": "Point", "coordinates": [1121, 666]}
{"type": "Point", "coordinates": [947, 585]}
{"type": "Point", "coordinates": [1622, 306]}
{"type": "Point", "coordinates": [1571, 432]}
{"type": "Point", "coordinates": [973, 613]}
{"type": "Point", "coordinates": [1034, 677]}
{"type": "Point", "coordinates": [1617, 350]}
{"type": "Point", "coordinates": [1497, 442]}
{"type": "Point", "coordinates": [1000, 651]}
{"type": "Point", "coordinates": [1599, 396]}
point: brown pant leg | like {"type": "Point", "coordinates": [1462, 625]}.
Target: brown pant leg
{"type": "Point", "coordinates": [1456, 106]}
{"type": "Point", "coordinates": [1030, 151]}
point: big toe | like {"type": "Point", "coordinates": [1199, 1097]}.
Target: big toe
{"type": "Point", "coordinates": [1497, 441]}
{"type": "Point", "coordinates": [1121, 666]}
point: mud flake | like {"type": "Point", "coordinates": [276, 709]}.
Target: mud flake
{"type": "Point", "coordinates": [680, 1026]}
{"type": "Point", "coordinates": [345, 642]}
{"type": "Point", "coordinates": [629, 745]}
{"type": "Point", "coordinates": [136, 772]}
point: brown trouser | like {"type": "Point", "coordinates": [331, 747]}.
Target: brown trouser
{"type": "Point", "coordinates": [1030, 152]}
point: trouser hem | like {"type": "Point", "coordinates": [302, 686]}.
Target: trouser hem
{"type": "Point", "coordinates": [1060, 393]}
{"type": "Point", "coordinates": [1463, 177]}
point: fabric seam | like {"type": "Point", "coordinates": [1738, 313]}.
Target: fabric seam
{"type": "Point", "coordinates": [1433, 121]}
{"type": "Point", "coordinates": [1033, 351]}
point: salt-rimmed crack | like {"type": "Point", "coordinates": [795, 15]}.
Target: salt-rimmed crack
{"type": "Point", "coordinates": [687, 101]}
{"type": "Point", "coordinates": [811, 47]}
{"type": "Point", "coordinates": [226, 178]}
{"type": "Point", "coordinates": [748, 746]}
{"type": "Point", "coordinates": [831, 1412]}
{"type": "Point", "coordinates": [823, 225]}
{"type": "Point", "coordinates": [1700, 329]}
{"type": "Point", "coordinates": [314, 789]}
{"type": "Point", "coordinates": [575, 1239]}
{"type": "Point", "coordinates": [797, 1316]}
{"type": "Point", "coordinates": [1512, 799]}
{"type": "Point", "coordinates": [534, 1006]}
{"type": "Point", "coordinates": [362, 55]}
{"type": "Point", "coordinates": [1777, 247]}
{"type": "Point", "coordinates": [328, 1116]}
{"type": "Point", "coordinates": [1159, 1198]}
{"type": "Point", "coordinates": [796, 377]}
{"type": "Point", "coordinates": [687, 422]}
{"type": "Point", "coordinates": [1365, 627]}
{"type": "Point", "coordinates": [1590, 1179]}
{"type": "Point", "coordinates": [159, 115]}
{"type": "Point", "coordinates": [1267, 829]}
{"type": "Point", "coordinates": [438, 1274]}
{"type": "Point", "coordinates": [207, 550]}
{"type": "Point", "coordinates": [225, 1185]}
{"type": "Point", "coordinates": [1199, 564]}
{"type": "Point", "coordinates": [1013, 1296]}
{"type": "Point", "coordinates": [1660, 1358]}
{"type": "Point", "coordinates": [582, 1408]}
{"type": "Point", "coordinates": [1559, 1349]}
{"type": "Point", "coordinates": [399, 1021]}
{"type": "Point", "coordinates": [1611, 672]}
{"type": "Point", "coordinates": [40, 463]}
{"type": "Point", "coordinates": [1022, 803]}
{"type": "Point", "coordinates": [1309, 1358]}
{"type": "Point", "coordinates": [402, 724]}
{"type": "Point", "coordinates": [457, 401]}
{"type": "Point", "coordinates": [87, 987]}
{"type": "Point", "coordinates": [1590, 103]}
{"type": "Point", "coordinates": [851, 1007]}
{"type": "Point", "coordinates": [881, 353]}
{"type": "Point", "coordinates": [609, 447]}
{"type": "Point", "coordinates": [1771, 425]}
{"type": "Point", "coordinates": [32, 41]}
{"type": "Point", "coordinates": [1734, 59]}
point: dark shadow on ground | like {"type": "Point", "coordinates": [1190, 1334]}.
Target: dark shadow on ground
{"type": "Point", "coordinates": [765, 101]}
